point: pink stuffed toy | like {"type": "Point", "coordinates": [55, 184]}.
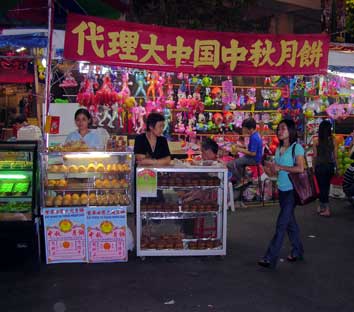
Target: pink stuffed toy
{"type": "Point", "coordinates": [179, 127]}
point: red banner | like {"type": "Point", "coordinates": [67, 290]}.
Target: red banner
{"type": "Point", "coordinates": [152, 47]}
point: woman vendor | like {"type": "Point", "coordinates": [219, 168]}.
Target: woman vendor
{"type": "Point", "coordinates": [83, 133]}
{"type": "Point", "coordinates": [151, 148]}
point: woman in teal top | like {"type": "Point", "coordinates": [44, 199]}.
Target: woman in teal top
{"type": "Point", "coordinates": [289, 158]}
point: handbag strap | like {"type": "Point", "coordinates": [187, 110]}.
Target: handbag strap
{"type": "Point", "coordinates": [293, 153]}
{"type": "Point", "coordinates": [294, 159]}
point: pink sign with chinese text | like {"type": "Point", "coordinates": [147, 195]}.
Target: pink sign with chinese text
{"type": "Point", "coordinates": [106, 234]}
{"type": "Point", "coordinates": [64, 232]}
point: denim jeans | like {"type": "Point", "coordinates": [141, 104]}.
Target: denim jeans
{"type": "Point", "coordinates": [324, 173]}
{"type": "Point", "coordinates": [237, 166]}
{"type": "Point", "coordinates": [286, 223]}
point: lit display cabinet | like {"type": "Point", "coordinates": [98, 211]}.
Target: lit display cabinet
{"type": "Point", "coordinates": [85, 200]}
{"type": "Point", "coordinates": [181, 210]}
{"type": "Point", "coordinates": [86, 179]}
{"type": "Point", "coordinates": [19, 200]}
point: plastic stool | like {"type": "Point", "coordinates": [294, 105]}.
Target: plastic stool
{"type": "Point", "coordinates": [259, 182]}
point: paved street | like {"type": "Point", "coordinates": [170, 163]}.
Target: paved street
{"type": "Point", "coordinates": [323, 282]}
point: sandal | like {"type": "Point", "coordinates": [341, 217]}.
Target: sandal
{"type": "Point", "coordinates": [291, 258]}
{"type": "Point", "coordinates": [266, 264]}
{"type": "Point", "coordinates": [325, 214]}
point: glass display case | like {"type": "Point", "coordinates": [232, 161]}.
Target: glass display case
{"type": "Point", "coordinates": [84, 179]}
{"type": "Point", "coordinates": [86, 197]}
{"type": "Point", "coordinates": [181, 210]}
{"type": "Point", "coordinates": [19, 201]}
{"type": "Point", "coordinates": [18, 181]}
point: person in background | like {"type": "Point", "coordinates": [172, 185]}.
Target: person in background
{"type": "Point", "coordinates": [209, 152]}
{"type": "Point", "coordinates": [19, 122]}
{"type": "Point", "coordinates": [22, 130]}
{"type": "Point", "coordinates": [252, 155]}
{"type": "Point", "coordinates": [324, 162]}
{"type": "Point", "coordinates": [285, 164]}
{"type": "Point", "coordinates": [11, 117]}
{"type": "Point", "coordinates": [151, 148]}
{"type": "Point", "coordinates": [83, 133]}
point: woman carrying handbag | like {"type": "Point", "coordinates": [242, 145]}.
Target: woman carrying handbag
{"type": "Point", "coordinates": [286, 222]}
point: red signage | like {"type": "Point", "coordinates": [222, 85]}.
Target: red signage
{"type": "Point", "coordinates": [152, 47]}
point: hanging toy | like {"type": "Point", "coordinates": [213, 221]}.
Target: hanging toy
{"type": "Point", "coordinates": [179, 127]}
{"type": "Point", "coordinates": [106, 95]}
{"type": "Point", "coordinates": [227, 92]}
{"type": "Point", "coordinates": [141, 113]}
{"type": "Point", "coordinates": [267, 81]}
{"type": "Point", "coordinates": [266, 97]}
{"type": "Point", "coordinates": [216, 96]}
{"type": "Point", "coordinates": [275, 96]}
{"type": "Point", "coordinates": [208, 101]}
{"type": "Point", "coordinates": [238, 118]}
{"type": "Point", "coordinates": [167, 116]}
{"type": "Point", "coordinates": [251, 96]}
{"type": "Point", "coordinates": [128, 106]}
{"type": "Point", "coordinates": [170, 91]}
{"type": "Point", "coordinates": [170, 103]}
{"type": "Point", "coordinates": [218, 121]}
{"type": "Point", "coordinates": [93, 110]}
{"type": "Point", "coordinates": [106, 115]}
{"type": "Point", "coordinates": [206, 83]}
{"type": "Point", "coordinates": [140, 79]}
{"type": "Point", "coordinates": [160, 84]}
{"type": "Point", "coordinates": [285, 92]}
{"type": "Point", "coordinates": [228, 120]}
{"type": "Point", "coordinates": [125, 84]}
{"type": "Point", "coordinates": [339, 111]}
{"type": "Point", "coordinates": [85, 96]}
{"type": "Point", "coordinates": [201, 126]}
{"type": "Point", "coordinates": [152, 81]}
{"type": "Point", "coordinates": [115, 108]}
{"type": "Point", "coordinates": [191, 130]}
{"type": "Point", "coordinates": [241, 99]}
{"type": "Point", "coordinates": [69, 81]}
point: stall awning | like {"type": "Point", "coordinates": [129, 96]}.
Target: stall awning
{"type": "Point", "coordinates": [33, 40]}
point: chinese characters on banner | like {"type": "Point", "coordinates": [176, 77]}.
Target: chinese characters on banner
{"type": "Point", "coordinates": [64, 232]}
{"type": "Point", "coordinates": [106, 234]}
{"type": "Point", "coordinates": [153, 47]}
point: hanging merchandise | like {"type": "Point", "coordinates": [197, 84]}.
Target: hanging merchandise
{"type": "Point", "coordinates": [69, 81]}
{"type": "Point", "coordinates": [140, 79]}
{"type": "Point", "coordinates": [86, 96]}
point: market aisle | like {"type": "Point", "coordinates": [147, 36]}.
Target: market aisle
{"type": "Point", "coordinates": [324, 282]}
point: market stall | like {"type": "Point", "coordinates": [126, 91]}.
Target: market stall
{"type": "Point", "coordinates": [205, 84]}
{"type": "Point", "coordinates": [21, 77]}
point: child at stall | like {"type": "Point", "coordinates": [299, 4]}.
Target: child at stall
{"type": "Point", "coordinates": [252, 155]}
